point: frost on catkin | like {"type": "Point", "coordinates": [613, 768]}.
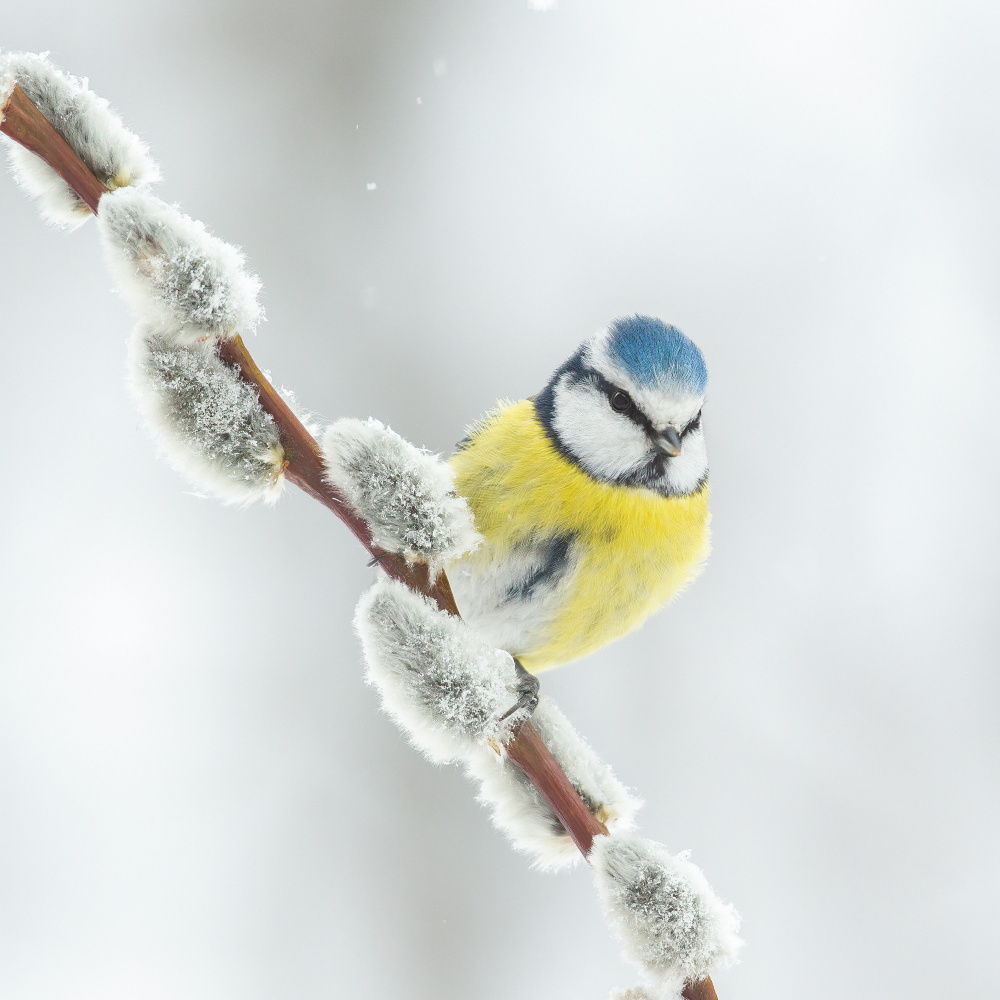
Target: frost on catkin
{"type": "Point", "coordinates": [441, 684]}
{"type": "Point", "coordinates": [173, 272]}
{"type": "Point", "coordinates": [7, 82]}
{"type": "Point", "coordinates": [207, 420]}
{"type": "Point", "coordinates": [662, 909]}
{"type": "Point", "coordinates": [405, 494]}
{"type": "Point", "coordinates": [95, 133]}
{"type": "Point", "coordinates": [517, 808]}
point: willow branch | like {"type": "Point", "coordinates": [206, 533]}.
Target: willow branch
{"type": "Point", "coordinates": [21, 121]}
{"type": "Point", "coordinates": [24, 123]}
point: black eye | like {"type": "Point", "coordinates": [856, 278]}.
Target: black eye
{"type": "Point", "coordinates": [695, 424]}
{"type": "Point", "coordinates": [620, 401]}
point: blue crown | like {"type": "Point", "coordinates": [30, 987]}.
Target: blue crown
{"type": "Point", "coordinates": [654, 353]}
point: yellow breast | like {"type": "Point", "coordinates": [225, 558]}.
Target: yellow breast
{"type": "Point", "coordinates": [635, 548]}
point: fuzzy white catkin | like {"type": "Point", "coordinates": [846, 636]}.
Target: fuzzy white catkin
{"type": "Point", "coordinates": [517, 808]}
{"type": "Point", "coordinates": [7, 83]}
{"type": "Point", "coordinates": [208, 421]}
{"type": "Point", "coordinates": [442, 685]}
{"type": "Point", "coordinates": [670, 923]}
{"type": "Point", "coordinates": [116, 156]}
{"type": "Point", "coordinates": [173, 272]}
{"type": "Point", "coordinates": [405, 494]}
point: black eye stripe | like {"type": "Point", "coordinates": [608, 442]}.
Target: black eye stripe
{"type": "Point", "coordinates": [693, 425]}
{"type": "Point", "coordinates": [579, 373]}
{"type": "Point", "coordinates": [632, 412]}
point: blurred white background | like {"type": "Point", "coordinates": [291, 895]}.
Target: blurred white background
{"type": "Point", "coordinates": [198, 797]}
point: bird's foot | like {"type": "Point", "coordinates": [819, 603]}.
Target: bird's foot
{"type": "Point", "coordinates": [527, 694]}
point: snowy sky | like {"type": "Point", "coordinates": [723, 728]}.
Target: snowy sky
{"type": "Point", "coordinates": [198, 798]}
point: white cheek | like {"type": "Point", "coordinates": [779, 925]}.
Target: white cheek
{"type": "Point", "coordinates": [686, 470]}
{"type": "Point", "coordinates": [605, 443]}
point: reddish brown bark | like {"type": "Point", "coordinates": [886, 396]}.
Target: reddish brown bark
{"type": "Point", "coordinates": [24, 123]}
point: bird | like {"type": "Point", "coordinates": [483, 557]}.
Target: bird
{"type": "Point", "coordinates": [592, 498]}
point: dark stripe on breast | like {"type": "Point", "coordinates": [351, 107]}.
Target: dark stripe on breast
{"type": "Point", "coordinates": [553, 556]}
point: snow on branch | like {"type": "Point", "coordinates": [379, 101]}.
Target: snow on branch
{"type": "Point", "coordinates": [8, 80]}
{"type": "Point", "coordinates": [441, 684]}
{"type": "Point", "coordinates": [190, 290]}
{"type": "Point", "coordinates": [173, 272]}
{"type": "Point", "coordinates": [670, 923]}
{"type": "Point", "coordinates": [208, 422]}
{"type": "Point", "coordinates": [447, 691]}
{"type": "Point", "coordinates": [406, 494]}
{"type": "Point", "coordinates": [517, 808]}
{"type": "Point", "coordinates": [115, 156]}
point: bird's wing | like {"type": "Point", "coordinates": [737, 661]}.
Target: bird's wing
{"type": "Point", "coordinates": [538, 565]}
{"type": "Point", "coordinates": [512, 597]}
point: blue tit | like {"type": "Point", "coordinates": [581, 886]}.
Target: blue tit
{"type": "Point", "coordinates": [592, 497]}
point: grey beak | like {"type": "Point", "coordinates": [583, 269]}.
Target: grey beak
{"type": "Point", "coordinates": [669, 442]}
